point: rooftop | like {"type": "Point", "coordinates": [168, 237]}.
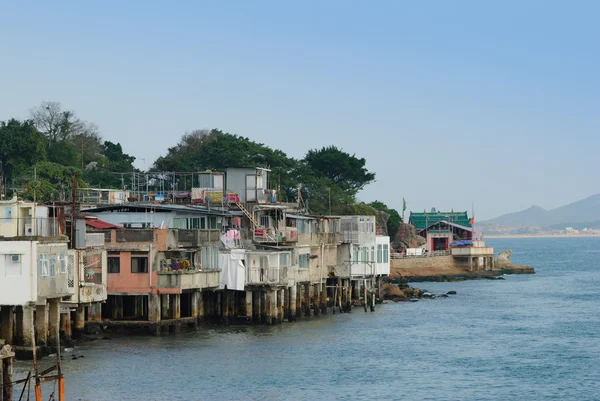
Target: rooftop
{"type": "Point", "coordinates": [423, 220]}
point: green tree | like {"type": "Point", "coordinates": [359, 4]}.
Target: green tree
{"type": "Point", "coordinates": [215, 150]}
{"type": "Point", "coordinates": [49, 180]}
{"type": "Point", "coordinates": [344, 170]}
{"type": "Point", "coordinates": [21, 146]}
{"type": "Point", "coordinates": [394, 221]}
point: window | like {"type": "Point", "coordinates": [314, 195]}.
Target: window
{"type": "Point", "coordinates": [265, 221]}
{"type": "Point", "coordinates": [63, 263]}
{"type": "Point", "coordinates": [44, 265]}
{"type": "Point", "coordinates": [303, 261]}
{"type": "Point", "coordinates": [284, 259]}
{"type": "Point", "coordinates": [212, 223]}
{"type": "Point", "coordinates": [355, 254]}
{"type": "Point", "coordinates": [181, 223]}
{"type": "Point", "coordinates": [195, 223]}
{"type": "Point", "coordinates": [372, 254]}
{"type": "Point", "coordinates": [203, 223]}
{"type": "Point", "coordinates": [114, 264]}
{"type": "Point", "coordinates": [52, 266]}
{"type": "Point", "coordinates": [363, 254]}
{"type": "Point", "coordinates": [379, 253]}
{"type": "Point", "coordinates": [139, 262]}
{"type": "Point", "coordinates": [16, 258]}
{"type": "Point", "coordinates": [385, 253]}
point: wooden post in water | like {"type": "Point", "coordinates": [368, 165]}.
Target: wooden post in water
{"type": "Point", "coordinates": [264, 307]}
{"type": "Point", "coordinates": [248, 301]}
{"type": "Point", "coordinates": [323, 299]}
{"type": "Point", "coordinates": [293, 303]}
{"type": "Point", "coordinates": [226, 302]}
{"type": "Point", "coordinates": [317, 299]}
{"type": "Point", "coordinates": [307, 288]}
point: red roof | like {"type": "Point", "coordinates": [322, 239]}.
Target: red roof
{"type": "Point", "coordinates": [101, 224]}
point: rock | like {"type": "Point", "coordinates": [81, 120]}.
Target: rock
{"type": "Point", "coordinates": [392, 292]}
{"type": "Point", "coordinates": [406, 237]}
{"type": "Point", "coordinates": [414, 300]}
{"type": "Point", "coordinates": [500, 278]}
{"type": "Point", "coordinates": [443, 295]}
{"type": "Point", "coordinates": [428, 295]}
{"type": "Point", "coordinates": [503, 259]}
{"type": "Point", "coordinates": [451, 293]}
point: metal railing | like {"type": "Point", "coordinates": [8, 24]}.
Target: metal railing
{"type": "Point", "coordinates": [424, 255]}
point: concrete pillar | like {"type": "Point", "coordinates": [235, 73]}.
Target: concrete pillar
{"type": "Point", "coordinates": [278, 317]}
{"type": "Point", "coordinates": [7, 328]}
{"type": "Point", "coordinates": [95, 312]}
{"type": "Point", "coordinates": [79, 321]}
{"type": "Point", "coordinates": [201, 312]}
{"type": "Point", "coordinates": [176, 306]}
{"type": "Point", "coordinates": [154, 308]}
{"type": "Point", "coordinates": [286, 304]}
{"type": "Point", "coordinates": [307, 288]}
{"type": "Point", "coordinates": [225, 306]}
{"type": "Point", "coordinates": [25, 325]}
{"type": "Point", "coordinates": [317, 299]}
{"type": "Point", "coordinates": [269, 306]}
{"type": "Point", "coordinates": [117, 307]}
{"type": "Point", "coordinates": [264, 307]}
{"type": "Point", "coordinates": [255, 307]}
{"type": "Point", "coordinates": [194, 303]}
{"type": "Point", "coordinates": [293, 303]}
{"type": "Point", "coordinates": [323, 301]}
{"type": "Point", "coordinates": [248, 302]}
{"type": "Point", "coordinates": [298, 288]}
{"type": "Point", "coordinates": [41, 324]}
{"type": "Point", "coordinates": [165, 305]}
{"type": "Point", "coordinates": [53, 320]}
{"type": "Point", "coordinates": [18, 325]}
{"type": "Point", "coordinates": [355, 290]}
{"type": "Point", "coordinates": [65, 324]}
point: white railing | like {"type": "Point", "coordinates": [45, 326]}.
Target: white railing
{"type": "Point", "coordinates": [262, 275]}
{"type": "Point", "coordinates": [424, 255]}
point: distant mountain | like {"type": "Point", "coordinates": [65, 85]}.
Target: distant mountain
{"type": "Point", "coordinates": [580, 213]}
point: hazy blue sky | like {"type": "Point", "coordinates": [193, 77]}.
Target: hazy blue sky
{"type": "Point", "coordinates": [450, 102]}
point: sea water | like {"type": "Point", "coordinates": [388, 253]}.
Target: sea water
{"type": "Point", "coordinates": [530, 337]}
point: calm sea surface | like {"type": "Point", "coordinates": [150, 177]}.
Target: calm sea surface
{"type": "Point", "coordinates": [530, 337]}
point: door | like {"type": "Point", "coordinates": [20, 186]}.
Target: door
{"type": "Point", "coordinates": [251, 188]}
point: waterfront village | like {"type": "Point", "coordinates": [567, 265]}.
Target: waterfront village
{"type": "Point", "coordinates": [227, 251]}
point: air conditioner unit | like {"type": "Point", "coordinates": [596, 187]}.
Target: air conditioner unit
{"type": "Point", "coordinates": [28, 229]}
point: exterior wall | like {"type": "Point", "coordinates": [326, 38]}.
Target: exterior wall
{"type": "Point", "coordinates": [16, 219]}
{"type": "Point", "coordinates": [358, 229]}
{"type": "Point", "coordinates": [52, 286]}
{"type": "Point", "coordinates": [157, 219]}
{"type": "Point", "coordinates": [344, 260]}
{"type": "Point", "coordinates": [323, 258]}
{"type": "Point", "coordinates": [84, 261]}
{"type": "Point", "coordinates": [236, 182]}
{"type": "Point", "coordinates": [18, 284]}
{"type": "Point", "coordinates": [473, 251]}
{"type": "Point", "coordinates": [431, 236]}
{"type": "Point", "coordinates": [126, 282]}
{"type": "Point", "coordinates": [187, 280]}
{"type": "Point", "coordinates": [382, 265]}
{"type": "Point", "coordinates": [419, 263]}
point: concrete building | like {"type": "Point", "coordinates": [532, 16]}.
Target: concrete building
{"type": "Point", "coordinates": [442, 228]}
{"type": "Point", "coordinates": [34, 283]}
{"type": "Point", "coordinates": [156, 276]}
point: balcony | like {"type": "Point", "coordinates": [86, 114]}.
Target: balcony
{"type": "Point", "coordinates": [94, 240]}
{"type": "Point", "coordinates": [266, 275]}
{"type": "Point", "coordinates": [195, 238]}
{"type": "Point", "coordinates": [189, 279]}
{"type": "Point", "coordinates": [473, 251]}
{"type": "Point", "coordinates": [264, 235]}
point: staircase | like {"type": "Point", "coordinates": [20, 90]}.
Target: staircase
{"type": "Point", "coordinates": [248, 215]}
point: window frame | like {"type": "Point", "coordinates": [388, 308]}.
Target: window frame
{"type": "Point", "coordinates": [108, 264]}
{"type": "Point", "coordinates": [139, 256]}
{"type": "Point", "coordinates": [44, 266]}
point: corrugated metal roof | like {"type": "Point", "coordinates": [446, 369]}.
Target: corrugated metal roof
{"type": "Point", "coordinates": [423, 220]}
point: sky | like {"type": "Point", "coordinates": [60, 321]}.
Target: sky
{"type": "Point", "coordinates": [452, 103]}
